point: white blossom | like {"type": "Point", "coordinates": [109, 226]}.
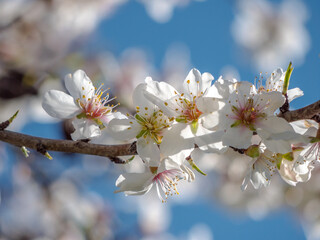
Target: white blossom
{"type": "Point", "coordinates": [194, 112]}
{"type": "Point", "coordinates": [84, 102]}
{"type": "Point", "coordinates": [164, 177]}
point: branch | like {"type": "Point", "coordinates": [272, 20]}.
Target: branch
{"type": "Point", "coordinates": [307, 112]}
{"type": "Point", "coordinates": [68, 146]}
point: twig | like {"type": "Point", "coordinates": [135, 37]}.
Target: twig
{"type": "Point", "coordinates": [69, 146]}
{"type": "Point", "coordinates": [307, 112]}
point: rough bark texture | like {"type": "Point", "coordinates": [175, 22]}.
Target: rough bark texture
{"type": "Point", "coordinates": [44, 144]}
{"type": "Point", "coordinates": [307, 112]}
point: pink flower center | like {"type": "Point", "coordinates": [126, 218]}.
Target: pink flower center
{"type": "Point", "coordinates": [95, 107]}
{"type": "Point", "coordinates": [167, 181]}
{"type": "Point", "coordinates": [247, 114]}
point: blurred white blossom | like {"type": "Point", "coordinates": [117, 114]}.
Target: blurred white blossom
{"type": "Point", "coordinates": [272, 34]}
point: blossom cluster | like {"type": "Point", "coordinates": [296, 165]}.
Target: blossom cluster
{"type": "Point", "coordinates": [171, 126]}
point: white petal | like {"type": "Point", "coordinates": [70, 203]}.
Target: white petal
{"type": "Point", "coordinates": [294, 93]}
{"type": "Point", "coordinates": [149, 151]}
{"type": "Point", "coordinates": [79, 85]}
{"type": "Point", "coordinates": [146, 108]}
{"type": "Point", "coordinates": [206, 82]}
{"type": "Point", "coordinates": [278, 135]}
{"type": "Point", "coordinates": [168, 164]}
{"type": "Point", "coordinates": [134, 183]}
{"type": "Point", "coordinates": [85, 128]}
{"type": "Point", "coordinates": [163, 95]}
{"type": "Point", "coordinates": [210, 120]}
{"type": "Point", "coordinates": [174, 140]}
{"type": "Point", "coordinates": [60, 105]}
{"type": "Point", "coordinates": [207, 104]}
{"type": "Point", "coordinates": [192, 83]}
{"type": "Point", "coordinates": [210, 141]}
{"type": "Point", "coordinates": [238, 137]}
{"type": "Point", "coordinates": [123, 129]}
{"type": "Point", "coordinates": [275, 99]}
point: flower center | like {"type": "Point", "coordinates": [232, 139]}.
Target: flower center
{"type": "Point", "coordinates": [189, 112]}
{"type": "Point", "coordinates": [167, 181]}
{"type": "Point", "coordinates": [153, 125]}
{"type": "Point", "coordinates": [96, 107]}
{"type": "Point", "coordinates": [247, 114]}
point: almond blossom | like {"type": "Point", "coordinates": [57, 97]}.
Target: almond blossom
{"type": "Point", "coordinates": [275, 83]}
{"type": "Point", "coordinates": [165, 177]}
{"type": "Point", "coordinates": [148, 125]}
{"type": "Point", "coordinates": [248, 112]}
{"type": "Point", "coordinates": [85, 103]}
{"type": "Point", "coordinates": [193, 111]}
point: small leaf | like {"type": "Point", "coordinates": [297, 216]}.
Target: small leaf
{"type": "Point", "coordinates": [194, 166]}
{"type": "Point", "coordinates": [287, 79]}
{"type": "Point", "coordinates": [13, 117]}
{"type": "Point", "coordinates": [25, 151]}
{"type": "Point", "coordinates": [47, 155]}
{"type": "Point", "coordinates": [130, 159]}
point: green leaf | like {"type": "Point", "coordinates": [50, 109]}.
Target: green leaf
{"type": "Point", "coordinates": [287, 79]}
{"type": "Point", "coordinates": [130, 159]}
{"type": "Point", "coordinates": [13, 117]}
{"type": "Point", "coordinates": [194, 166]}
{"type": "Point", "coordinates": [25, 151]}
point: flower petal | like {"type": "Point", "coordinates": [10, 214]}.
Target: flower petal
{"type": "Point", "coordinates": [134, 183]}
{"type": "Point", "coordinates": [238, 137]}
{"type": "Point", "coordinates": [207, 104]}
{"type": "Point", "coordinates": [177, 138]}
{"type": "Point", "coordinates": [294, 93]}
{"type": "Point", "coordinates": [149, 151]}
{"type": "Point", "coordinates": [79, 85]}
{"type": "Point", "coordinates": [84, 128]}
{"type": "Point", "coordinates": [210, 141]}
{"type": "Point", "coordinates": [278, 135]}
{"type": "Point", "coordinates": [60, 105]}
{"type": "Point", "coordinates": [123, 129]}
{"type": "Point", "coordinates": [163, 95]}
{"type": "Point", "coordinates": [144, 106]}
{"type": "Point", "coordinates": [192, 83]}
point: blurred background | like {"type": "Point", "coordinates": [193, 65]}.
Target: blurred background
{"type": "Point", "coordinates": [119, 43]}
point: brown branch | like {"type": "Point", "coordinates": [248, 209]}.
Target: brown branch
{"type": "Point", "coordinates": [307, 112]}
{"type": "Point", "coordinates": [69, 146]}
